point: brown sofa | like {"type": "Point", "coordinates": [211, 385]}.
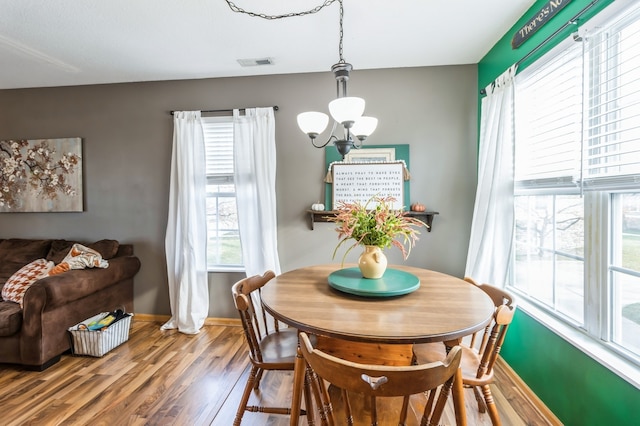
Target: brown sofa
{"type": "Point", "coordinates": [36, 335]}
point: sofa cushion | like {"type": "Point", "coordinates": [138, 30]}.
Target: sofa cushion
{"type": "Point", "coordinates": [10, 318]}
{"type": "Point", "coordinates": [60, 249]}
{"type": "Point", "coordinates": [16, 286]}
{"type": "Point", "coordinates": [17, 252]}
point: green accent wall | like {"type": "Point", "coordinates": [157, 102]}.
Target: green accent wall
{"type": "Point", "coordinates": [579, 390]}
{"type": "Point", "coordinates": [501, 56]}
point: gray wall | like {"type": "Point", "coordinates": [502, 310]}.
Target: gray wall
{"type": "Point", "coordinates": [127, 136]}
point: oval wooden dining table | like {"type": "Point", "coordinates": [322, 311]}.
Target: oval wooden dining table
{"type": "Point", "coordinates": [442, 309]}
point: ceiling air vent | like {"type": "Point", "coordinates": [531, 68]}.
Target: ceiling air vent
{"type": "Point", "coordinates": [255, 62]}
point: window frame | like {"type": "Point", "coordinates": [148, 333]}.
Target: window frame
{"type": "Point", "coordinates": [220, 179]}
{"type": "Point", "coordinates": [595, 336]}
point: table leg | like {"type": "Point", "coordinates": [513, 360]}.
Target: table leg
{"type": "Point", "coordinates": [298, 383]}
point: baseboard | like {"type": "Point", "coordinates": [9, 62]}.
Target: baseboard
{"type": "Point", "coordinates": [528, 393]}
{"type": "Point", "coordinates": [235, 322]}
{"type": "Point", "coordinates": [208, 321]}
{"type": "Point", "coordinates": [150, 318]}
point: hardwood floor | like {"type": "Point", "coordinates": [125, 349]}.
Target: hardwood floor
{"type": "Point", "coordinates": [168, 378]}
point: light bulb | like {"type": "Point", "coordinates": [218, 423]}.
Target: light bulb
{"type": "Point", "coordinates": [346, 110]}
{"type": "Point", "coordinates": [313, 123]}
{"type": "Point", "coordinates": [364, 126]}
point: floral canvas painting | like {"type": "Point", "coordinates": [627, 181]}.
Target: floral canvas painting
{"type": "Point", "coordinates": [41, 175]}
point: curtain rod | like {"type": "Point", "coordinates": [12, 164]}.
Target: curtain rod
{"type": "Point", "coordinates": [572, 21]}
{"type": "Point", "coordinates": [275, 108]}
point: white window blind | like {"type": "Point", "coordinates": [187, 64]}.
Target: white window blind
{"type": "Point", "coordinates": [218, 136]}
{"type": "Point", "coordinates": [612, 134]}
{"type": "Point", "coordinates": [548, 117]}
{"type": "Point", "coordinates": [578, 112]}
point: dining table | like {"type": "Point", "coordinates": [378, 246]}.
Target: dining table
{"type": "Point", "coordinates": [322, 300]}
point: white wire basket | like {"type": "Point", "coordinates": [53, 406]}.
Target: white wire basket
{"type": "Point", "coordinates": [98, 342]}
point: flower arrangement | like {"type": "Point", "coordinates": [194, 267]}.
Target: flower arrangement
{"type": "Point", "coordinates": [381, 226]}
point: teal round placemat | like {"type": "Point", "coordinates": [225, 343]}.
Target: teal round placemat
{"type": "Point", "coordinates": [393, 283]}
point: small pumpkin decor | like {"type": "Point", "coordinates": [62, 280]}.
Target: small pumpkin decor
{"type": "Point", "coordinates": [376, 226]}
{"type": "Point", "coordinates": [317, 207]}
{"type": "Point", "coordinates": [418, 207]}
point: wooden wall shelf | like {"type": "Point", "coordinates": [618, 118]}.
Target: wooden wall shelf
{"type": "Point", "coordinates": [323, 216]}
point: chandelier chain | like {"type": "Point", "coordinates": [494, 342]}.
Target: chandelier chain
{"type": "Point", "coordinates": [341, 33]}
{"type": "Point", "coordinates": [237, 9]}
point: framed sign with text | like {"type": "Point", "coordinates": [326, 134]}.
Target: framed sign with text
{"type": "Point", "coordinates": [359, 182]}
{"type": "Point", "coordinates": [374, 154]}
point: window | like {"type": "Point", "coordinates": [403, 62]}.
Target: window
{"type": "Point", "coordinates": [224, 252]}
{"type": "Point", "coordinates": [577, 170]}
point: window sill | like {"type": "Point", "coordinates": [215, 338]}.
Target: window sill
{"type": "Point", "coordinates": [616, 363]}
{"type": "Point", "coordinates": [223, 270]}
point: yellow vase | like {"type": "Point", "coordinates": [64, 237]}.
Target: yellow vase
{"type": "Point", "coordinates": [372, 262]}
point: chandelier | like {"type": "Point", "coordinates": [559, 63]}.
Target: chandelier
{"type": "Point", "coordinates": [345, 110]}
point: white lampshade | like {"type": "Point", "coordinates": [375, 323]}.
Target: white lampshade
{"type": "Point", "coordinates": [346, 109]}
{"type": "Point", "coordinates": [364, 126]}
{"type": "Point", "coordinates": [312, 122]}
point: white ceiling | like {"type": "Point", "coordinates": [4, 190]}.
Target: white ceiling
{"type": "Point", "coordinates": [77, 42]}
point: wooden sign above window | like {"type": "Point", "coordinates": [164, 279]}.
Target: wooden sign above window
{"type": "Point", "coordinates": [544, 15]}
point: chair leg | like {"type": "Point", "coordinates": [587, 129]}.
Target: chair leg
{"type": "Point", "coordinates": [458, 399]}
{"type": "Point", "coordinates": [347, 407]}
{"type": "Point", "coordinates": [256, 384]}
{"type": "Point", "coordinates": [325, 410]}
{"type": "Point", "coordinates": [374, 411]}
{"type": "Point", "coordinates": [245, 396]}
{"type": "Point", "coordinates": [404, 411]}
{"type": "Point", "coordinates": [443, 395]}
{"type": "Point", "coordinates": [299, 371]}
{"type": "Point", "coordinates": [308, 403]}
{"type": "Point", "coordinates": [430, 400]}
{"type": "Point", "coordinates": [482, 407]}
{"type": "Point", "coordinates": [491, 406]}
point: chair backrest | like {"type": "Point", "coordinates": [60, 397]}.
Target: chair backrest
{"type": "Point", "coordinates": [495, 338]}
{"type": "Point", "coordinates": [252, 315]}
{"type": "Point", "coordinates": [494, 334]}
{"type": "Point", "coordinates": [499, 296]}
{"type": "Point", "coordinates": [382, 380]}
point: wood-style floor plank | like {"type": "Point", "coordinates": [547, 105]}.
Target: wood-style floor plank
{"type": "Point", "coordinates": [168, 378]}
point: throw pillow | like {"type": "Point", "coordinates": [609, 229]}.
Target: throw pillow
{"type": "Point", "coordinates": [17, 285]}
{"type": "Point", "coordinates": [80, 257]}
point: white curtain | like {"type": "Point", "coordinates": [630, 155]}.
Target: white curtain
{"type": "Point", "coordinates": [492, 227]}
{"type": "Point", "coordinates": [186, 236]}
{"type": "Point", "coordinates": [255, 179]}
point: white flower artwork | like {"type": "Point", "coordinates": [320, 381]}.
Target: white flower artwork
{"type": "Point", "coordinates": [41, 175]}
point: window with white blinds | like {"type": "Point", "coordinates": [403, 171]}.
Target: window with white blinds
{"type": "Point", "coordinates": [224, 252]}
{"type": "Point", "coordinates": [577, 172]}
{"type": "Point", "coordinates": [548, 115]}
{"type": "Point", "coordinates": [612, 122]}
{"type": "Point", "coordinates": [218, 136]}
{"type": "Point", "coordinates": [577, 112]}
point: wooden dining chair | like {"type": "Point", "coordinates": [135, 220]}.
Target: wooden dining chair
{"type": "Point", "coordinates": [480, 351]}
{"type": "Point", "coordinates": [499, 297]}
{"type": "Point", "coordinates": [270, 346]}
{"type": "Point", "coordinates": [376, 381]}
